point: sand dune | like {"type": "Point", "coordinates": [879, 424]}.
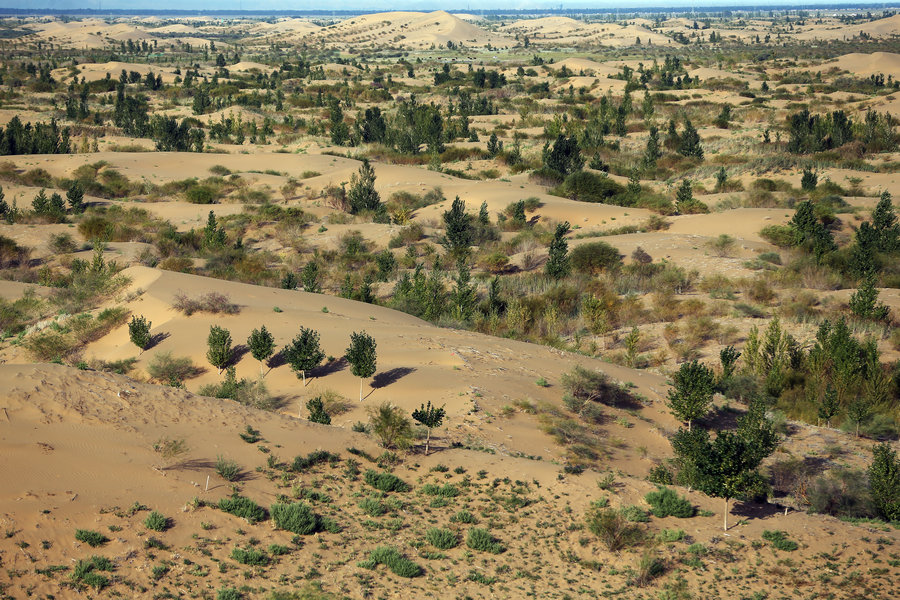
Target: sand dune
{"type": "Point", "coordinates": [568, 31]}
{"type": "Point", "coordinates": [886, 63]}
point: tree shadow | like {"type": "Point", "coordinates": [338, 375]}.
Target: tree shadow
{"type": "Point", "coordinates": [157, 338]}
{"type": "Point", "coordinates": [721, 418]}
{"type": "Point", "coordinates": [237, 353]}
{"type": "Point", "coordinates": [390, 376]}
{"type": "Point", "coordinates": [328, 368]}
{"type": "Point", "coordinates": [191, 464]}
{"type": "Point", "coordinates": [756, 510]}
{"type": "Point", "coordinates": [276, 360]}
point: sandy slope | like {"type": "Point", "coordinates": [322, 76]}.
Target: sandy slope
{"type": "Point", "coordinates": [886, 63]}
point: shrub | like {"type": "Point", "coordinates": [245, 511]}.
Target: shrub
{"type": "Point", "coordinates": [595, 257]}
{"type": "Point", "coordinates": [62, 243]}
{"type": "Point", "coordinates": [482, 540]}
{"type": "Point", "coordinates": [243, 507]}
{"type": "Point", "coordinates": [228, 594]}
{"type": "Point", "coordinates": [448, 490]}
{"type": "Point", "coordinates": [443, 539]}
{"type": "Point", "coordinates": [201, 194]}
{"type": "Point", "coordinates": [250, 556]}
{"type": "Point", "coordinates": [634, 514]}
{"type": "Point", "coordinates": [85, 572]}
{"type": "Point", "coordinates": [613, 529]}
{"type": "Point", "coordinates": [779, 540]}
{"type": "Point", "coordinates": [391, 425]}
{"type": "Point", "coordinates": [91, 538]}
{"type": "Point", "coordinates": [386, 482]}
{"type": "Point", "coordinates": [840, 493]}
{"type": "Point", "coordinates": [594, 386]}
{"type": "Point", "coordinates": [296, 517]}
{"type": "Point", "coordinates": [212, 302]}
{"type": "Point", "coordinates": [585, 186]}
{"type": "Point", "coordinates": [156, 521]}
{"type": "Point", "coordinates": [227, 469]}
{"type": "Point", "coordinates": [373, 507]}
{"type": "Point", "coordinates": [316, 457]}
{"type": "Point", "coordinates": [393, 560]}
{"type": "Point", "coordinates": [169, 369]}
{"type": "Point", "coordinates": [665, 502]}
{"type": "Point", "coordinates": [464, 516]}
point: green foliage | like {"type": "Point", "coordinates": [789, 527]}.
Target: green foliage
{"type": "Point", "coordinates": [91, 538]}
{"type": "Point", "coordinates": [563, 157]}
{"type": "Point", "coordinates": [864, 301]}
{"type": "Point", "coordinates": [297, 517]}
{"type": "Point", "coordinates": [665, 502]}
{"type": "Point", "coordinates": [85, 572]}
{"type": "Point", "coordinates": [139, 332]}
{"type": "Point", "coordinates": [689, 144]}
{"type": "Point", "coordinates": [809, 180]}
{"type": "Point", "coordinates": [386, 482]}
{"type": "Point", "coordinates": [429, 416]}
{"type": "Point", "coordinates": [241, 506]}
{"type": "Point", "coordinates": [393, 560]}
{"type": "Point", "coordinates": [228, 470]}
{"type": "Point", "coordinates": [458, 229]}
{"type": "Point", "coordinates": [250, 556]}
{"type": "Point", "coordinates": [156, 521]}
{"type": "Point", "coordinates": [443, 539]}
{"type": "Point", "coordinates": [482, 540]}
{"type": "Point", "coordinates": [613, 529]}
{"type": "Point", "coordinates": [584, 186]}
{"type": "Point", "coordinates": [227, 593]}
{"type": "Point", "coordinates": [362, 195]}
{"type": "Point", "coordinates": [261, 344]}
{"type": "Point", "coordinates": [304, 353]}
{"type": "Point", "coordinates": [219, 347]}
{"type": "Point", "coordinates": [595, 257]}
{"type": "Point", "coordinates": [780, 540]}
{"type": "Point", "coordinates": [558, 266]}
{"type": "Point", "coordinates": [884, 481]}
{"type": "Point", "coordinates": [634, 514]}
{"type": "Point", "coordinates": [391, 425]}
{"type": "Point", "coordinates": [691, 396]}
{"type": "Point", "coordinates": [316, 457]}
{"type": "Point", "coordinates": [361, 354]}
{"type": "Point", "coordinates": [317, 412]}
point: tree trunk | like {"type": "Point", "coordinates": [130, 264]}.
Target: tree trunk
{"type": "Point", "coordinates": [304, 377]}
{"type": "Point", "coordinates": [427, 440]}
{"type": "Point", "coordinates": [689, 425]}
{"type": "Point", "coordinates": [360, 389]}
{"type": "Point", "coordinates": [726, 515]}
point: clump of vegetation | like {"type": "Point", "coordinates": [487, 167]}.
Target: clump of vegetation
{"type": "Point", "coordinates": [665, 502]}
{"type": "Point", "coordinates": [156, 521]}
{"type": "Point", "coordinates": [779, 540]}
{"type": "Point", "coordinates": [393, 560]}
{"type": "Point", "coordinates": [90, 537]}
{"type": "Point", "coordinates": [443, 539]}
{"type": "Point", "coordinates": [614, 529]}
{"type": "Point", "coordinates": [241, 506]}
{"type": "Point", "coordinates": [299, 518]}
{"type": "Point", "coordinates": [386, 482]}
{"type": "Point", "coordinates": [482, 540]}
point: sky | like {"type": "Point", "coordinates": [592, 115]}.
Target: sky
{"type": "Point", "coordinates": [382, 5]}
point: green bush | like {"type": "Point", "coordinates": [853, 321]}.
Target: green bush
{"type": "Point", "coordinates": [778, 235]}
{"type": "Point", "coordinates": [635, 514]}
{"type": "Point", "coordinates": [443, 539]}
{"type": "Point", "coordinates": [613, 529]}
{"type": "Point", "coordinates": [228, 470]}
{"type": "Point", "coordinates": [665, 502]}
{"type": "Point", "coordinates": [448, 490]}
{"type": "Point", "coordinates": [243, 507]}
{"type": "Point", "coordinates": [91, 538]}
{"type": "Point", "coordinates": [250, 556]}
{"type": "Point", "coordinates": [85, 572]}
{"type": "Point", "coordinates": [201, 194]}
{"type": "Point", "coordinates": [386, 482]}
{"type": "Point", "coordinates": [464, 516]}
{"type": "Point", "coordinates": [482, 540]}
{"type": "Point", "coordinates": [585, 186]}
{"type": "Point", "coordinates": [373, 507]}
{"type": "Point", "coordinates": [671, 535]}
{"type": "Point", "coordinates": [297, 518]}
{"type": "Point", "coordinates": [302, 463]}
{"type": "Point", "coordinates": [156, 521]}
{"type": "Point", "coordinates": [393, 560]}
{"type": "Point", "coordinates": [228, 594]}
{"type": "Point", "coordinates": [779, 540]}
{"type": "Point", "coordinates": [595, 257]}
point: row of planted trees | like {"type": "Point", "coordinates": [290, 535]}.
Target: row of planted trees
{"type": "Point", "coordinates": [303, 354]}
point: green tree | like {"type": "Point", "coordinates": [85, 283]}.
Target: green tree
{"type": "Point", "coordinates": [262, 345]}
{"type": "Point", "coordinates": [458, 228]}
{"type": "Point", "coordinates": [362, 357]}
{"type": "Point", "coordinates": [139, 332]}
{"type": "Point", "coordinates": [213, 235]}
{"type": "Point", "coordinates": [339, 130]}
{"type": "Point", "coordinates": [691, 396]}
{"type": "Point", "coordinates": [75, 196]}
{"type": "Point", "coordinates": [726, 466]}
{"type": "Point", "coordinates": [431, 417]}
{"type": "Point", "coordinates": [884, 222]}
{"type": "Point", "coordinates": [689, 142]}
{"type": "Point", "coordinates": [858, 411]}
{"type": "Point", "coordinates": [809, 180]}
{"type": "Point", "coordinates": [828, 405]}
{"type": "Point", "coordinates": [309, 277]}
{"type": "Point", "coordinates": [652, 152]}
{"type": "Point", "coordinates": [884, 482]}
{"type": "Point", "coordinates": [685, 194]}
{"type": "Point", "coordinates": [558, 266]}
{"type": "Point", "coordinates": [864, 301]}
{"type": "Point", "coordinates": [317, 413]}
{"type": "Point", "coordinates": [303, 353]}
{"type": "Point", "coordinates": [721, 178]}
{"type": "Point", "coordinates": [392, 425]}
{"type": "Point", "coordinates": [728, 356]}
{"type": "Point", "coordinates": [464, 294]}
{"type": "Point", "coordinates": [564, 156]}
{"type": "Point", "coordinates": [219, 347]}
{"type": "Point", "coordinates": [362, 195]}
{"type": "Point", "coordinates": [484, 217]}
